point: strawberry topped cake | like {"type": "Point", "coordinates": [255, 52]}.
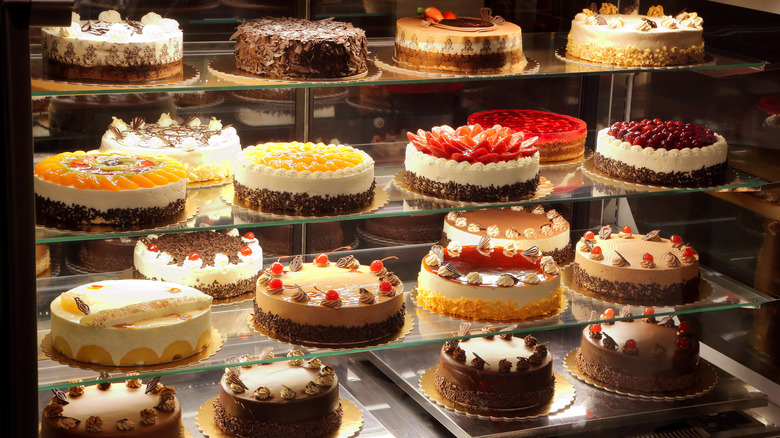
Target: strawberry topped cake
{"type": "Point", "coordinates": [561, 137]}
{"type": "Point", "coordinates": [471, 163]}
{"type": "Point", "coordinates": [304, 178]}
{"type": "Point", "coordinates": [114, 188]}
{"type": "Point", "coordinates": [666, 153]}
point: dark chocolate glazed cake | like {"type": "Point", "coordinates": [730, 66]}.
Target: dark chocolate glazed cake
{"type": "Point", "coordinates": [299, 48]}
{"type": "Point", "coordinates": [495, 372]}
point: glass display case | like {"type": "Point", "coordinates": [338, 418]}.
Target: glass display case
{"type": "Point", "coordinates": [733, 226]}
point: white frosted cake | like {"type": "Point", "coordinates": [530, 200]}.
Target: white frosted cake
{"type": "Point", "coordinates": [130, 322]}
{"type": "Point", "coordinates": [207, 151]}
{"type": "Point", "coordinates": [113, 48]}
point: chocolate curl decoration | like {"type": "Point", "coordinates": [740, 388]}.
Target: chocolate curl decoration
{"type": "Point", "coordinates": [152, 384]}
{"type": "Point", "coordinates": [61, 397]}
{"type": "Point", "coordinates": [667, 321]}
{"type": "Point", "coordinates": [623, 259]}
{"type": "Point", "coordinates": [605, 232]}
{"type": "Point", "coordinates": [189, 119]}
{"type": "Point", "coordinates": [137, 122]}
{"type": "Point", "coordinates": [296, 263]}
{"type": "Point", "coordinates": [82, 306]}
{"type": "Point", "coordinates": [116, 132]}
{"type": "Point", "coordinates": [531, 252]}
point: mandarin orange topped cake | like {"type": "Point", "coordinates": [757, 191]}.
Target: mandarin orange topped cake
{"type": "Point", "coordinates": [113, 188]}
{"type": "Point", "coordinates": [483, 282]}
{"type": "Point", "coordinates": [304, 178]}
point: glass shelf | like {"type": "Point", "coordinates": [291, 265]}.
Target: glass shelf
{"type": "Point", "coordinates": [232, 320]}
{"type": "Point", "coordinates": [570, 184]}
{"type": "Point", "coordinates": [539, 47]}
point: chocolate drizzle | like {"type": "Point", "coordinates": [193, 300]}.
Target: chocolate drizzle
{"type": "Point", "coordinates": [296, 263]}
{"type": "Point", "coordinates": [82, 306]}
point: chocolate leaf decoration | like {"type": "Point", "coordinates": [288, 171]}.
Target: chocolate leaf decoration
{"type": "Point", "coordinates": [235, 380]}
{"type": "Point", "coordinates": [477, 362]}
{"type": "Point", "coordinates": [652, 23]}
{"type": "Point", "coordinates": [189, 119]}
{"type": "Point", "coordinates": [151, 384]}
{"type": "Point", "coordinates": [62, 398]}
{"type": "Point", "coordinates": [453, 269]}
{"type": "Point", "coordinates": [296, 263]}
{"type": "Point", "coordinates": [605, 232]}
{"type": "Point", "coordinates": [82, 306]}
{"type": "Point", "coordinates": [623, 258]}
{"type": "Point", "coordinates": [438, 251]}
{"type": "Point", "coordinates": [653, 235]}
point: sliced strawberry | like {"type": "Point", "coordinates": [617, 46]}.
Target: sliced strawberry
{"type": "Point", "coordinates": [500, 147]}
{"type": "Point", "coordinates": [460, 144]}
{"type": "Point", "coordinates": [450, 149]}
{"type": "Point", "coordinates": [476, 129]}
{"type": "Point", "coordinates": [423, 149]}
{"type": "Point", "coordinates": [433, 13]}
{"type": "Point", "coordinates": [414, 139]}
{"type": "Point", "coordinates": [463, 131]}
{"type": "Point", "coordinates": [438, 152]}
{"type": "Point", "coordinates": [509, 156]}
{"type": "Point", "coordinates": [484, 144]}
{"type": "Point", "coordinates": [469, 141]}
{"type": "Point", "coordinates": [447, 128]}
{"type": "Point", "coordinates": [529, 142]}
{"type": "Point", "coordinates": [460, 157]}
{"type": "Point", "coordinates": [479, 152]}
{"type": "Point", "coordinates": [489, 158]}
{"type": "Point", "coordinates": [431, 140]}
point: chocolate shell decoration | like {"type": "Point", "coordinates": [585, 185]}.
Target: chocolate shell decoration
{"type": "Point", "coordinates": [477, 362]}
{"type": "Point", "coordinates": [522, 364]}
{"type": "Point", "coordinates": [82, 306]}
{"type": "Point", "coordinates": [484, 243]}
{"type": "Point", "coordinates": [235, 383]}
{"type": "Point", "coordinates": [151, 385]}
{"type": "Point", "coordinates": [296, 263]}
{"type": "Point", "coordinates": [530, 341]}
{"type": "Point", "coordinates": [438, 251]}
{"type": "Point", "coordinates": [668, 321]}
{"type": "Point", "coordinates": [630, 10]}
{"type": "Point", "coordinates": [453, 269]}
{"type": "Point", "coordinates": [116, 132]}
{"type": "Point", "coordinates": [139, 122]}
{"type": "Point", "coordinates": [621, 260]}
{"type": "Point", "coordinates": [60, 396]}
{"type": "Point", "coordinates": [652, 23]}
{"type": "Point", "coordinates": [625, 312]}
{"type": "Point", "coordinates": [605, 232]}
{"type": "Point", "coordinates": [609, 343]}
{"type": "Point", "coordinates": [652, 236]}
{"type": "Point", "coordinates": [348, 262]}
{"type": "Point", "coordinates": [504, 366]}
{"type": "Point", "coordinates": [532, 252]}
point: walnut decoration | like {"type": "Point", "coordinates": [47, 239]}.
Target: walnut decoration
{"type": "Point", "coordinates": [125, 424]}
{"type": "Point", "coordinates": [262, 393]}
{"type": "Point", "coordinates": [148, 417]}
{"type": "Point", "coordinates": [94, 424]}
{"type": "Point", "coordinates": [67, 423]}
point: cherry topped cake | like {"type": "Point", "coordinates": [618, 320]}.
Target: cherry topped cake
{"type": "Point", "coordinates": [561, 137]}
{"type": "Point", "coordinates": [667, 153]}
{"type": "Point", "coordinates": [472, 164]}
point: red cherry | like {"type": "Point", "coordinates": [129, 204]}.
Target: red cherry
{"type": "Point", "coordinates": [194, 256]}
{"type": "Point", "coordinates": [609, 313]}
{"type": "Point", "coordinates": [385, 286]}
{"type": "Point", "coordinates": [331, 295]}
{"type": "Point", "coordinates": [626, 229]}
{"type": "Point", "coordinates": [146, 163]}
{"type": "Point", "coordinates": [153, 247]}
{"type": "Point", "coordinates": [275, 284]}
{"type": "Point", "coordinates": [321, 259]}
{"type": "Point", "coordinates": [277, 268]}
{"type": "Point", "coordinates": [595, 328]}
{"type": "Point", "coordinates": [649, 311]}
{"type": "Point", "coordinates": [630, 344]}
{"type": "Point", "coordinates": [683, 327]}
{"type": "Point", "coordinates": [246, 251]}
{"type": "Point", "coordinates": [249, 236]}
{"type": "Point", "coordinates": [688, 252]}
{"type": "Point", "coordinates": [648, 257]}
{"type": "Point", "coordinates": [682, 343]}
{"type": "Point", "coordinates": [675, 239]}
{"type": "Point", "coordinates": [596, 250]}
{"type": "Point", "coordinates": [376, 265]}
{"type": "Point", "coordinates": [589, 235]}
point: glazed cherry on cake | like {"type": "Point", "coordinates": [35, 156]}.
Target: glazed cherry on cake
{"type": "Point", "coordinates": [473, 143]}
{"type": "Point", "coordinates": [659, 134]}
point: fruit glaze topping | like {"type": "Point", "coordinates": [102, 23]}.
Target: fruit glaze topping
{"type": "Point", "coordinates": [659, 134]}
{"type": "Point", "coordinates": [548, 126]}
{"type": "Point", "coordinates": [474, 144]}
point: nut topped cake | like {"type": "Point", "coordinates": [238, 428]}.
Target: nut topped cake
{"type": "Point", "coordinates": [207, 151]}
{"type": "Point", "coordinates": [304, 178]}
{"type": "Point", "coordinates": [329, 303]}
{"type": "Point", "coordinates": [293, 398]}
{"type": "Point", "coordinates": [520, 226]}
{"type": "Point", "coordinates": [483, 282]}
{"type": "Point", "coordinates": [604, 36]}
{"type": "Point", "coordinates": [644, 355]}
{"type": "Point", "coordinates": [113, 48]}
{"type": "Point", "coordinates": [222, 264]}
{"type": "Point", "coordinates": [113, 409]}
{"type": "Point", "coordinates": [472, 164]}
{"type": "Point", "coordinates": [299, 48]}
{"type": "Point", "coordinates": [636, 269]}
{"type": "Point", "coordinates": [495, 371]}
{"type": "Point", "coordinates": [667, 153]}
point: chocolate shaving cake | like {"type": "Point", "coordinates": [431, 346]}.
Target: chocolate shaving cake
{"type": "Point", "coordinates": [299, 48]}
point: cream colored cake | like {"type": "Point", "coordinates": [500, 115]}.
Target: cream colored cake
{"type": "Point", "coordinates": [130, 322]}
{"type": "Point", "coordinates": [113, 48]}
{"type": "Point", "coordinates": [482, 282]}
{"type": "Point", "coordinates": [207, 151]}
{"type": "Point", "coordinates": [630, 39]}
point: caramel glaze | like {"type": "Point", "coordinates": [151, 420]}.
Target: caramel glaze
{"type": "Point", "coordinates": [645, 363]}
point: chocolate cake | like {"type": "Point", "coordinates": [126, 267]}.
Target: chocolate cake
{"type": "Point", "coordinates": [106, 255]}
{"type": "Point", "coordinates": [495, 372]}
{"type": "Point", "coordinates": [299, 48]}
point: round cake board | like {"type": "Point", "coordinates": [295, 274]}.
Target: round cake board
{"type": "Point", "coordinates": [189, 212]}
{"type": "Point", "coordinates": [545, 188]}
{"type": "Point", "coordinates": [351, 420]}
{"type": "Point", "coordinates": [184, 432]}
{"type": "Point", "coordinates": [705, 290]}
{"type": "Point", "coordinates": [533, 321]}
{"type": "Point", "coordinates": [562, 55]}
{"type": "Point", "coordinates": [578, 160]}
{"type": "Point", "coordinates": [398, 336]}
{"type": "Point", "coordinates": [246, 296]}
{"type": "Point", "coordinates": [385, 59]}
{"type": "Point", "coordinates": [589, 169]}
{"type": "Point", "coordinates": [41, 82]}
{"type": "Point", "coordinates": [562, 399]}
{"type": "Point", "coordinates": [210, 183]}
{"type": "Point", "coordinates": [708, 377]}
{"type": "Point", "coordinates": [216, 343]}
{"type": "Point", "coordinates": [224, 67]}
{"type": "Point", "coordinates": [380, 199]}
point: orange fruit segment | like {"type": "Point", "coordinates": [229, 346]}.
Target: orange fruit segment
{"type": "Point", "coordinates": [305, 156]}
